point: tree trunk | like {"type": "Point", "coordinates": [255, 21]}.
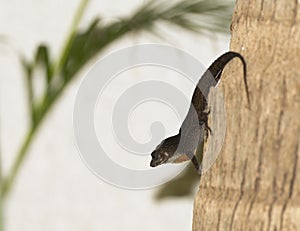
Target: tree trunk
{"type": "Point", "coordinates": [255, 182]}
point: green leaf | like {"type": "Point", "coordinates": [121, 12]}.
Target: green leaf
{"type": "Point", "coordinates": [182, 186]}
{"type": "Point", "coordinates": [42, 58]}
{"type": "Point", "coordinates": [186, 14]}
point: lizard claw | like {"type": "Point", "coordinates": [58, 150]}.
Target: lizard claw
{"type": "Point", "coordinates": [204, 120]}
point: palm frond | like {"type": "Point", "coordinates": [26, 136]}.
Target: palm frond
{"type": "Point", "coordinates": [195, 15]}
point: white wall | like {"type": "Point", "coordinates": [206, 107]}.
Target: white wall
{"type": "Point", "coordinates": [55, 191]}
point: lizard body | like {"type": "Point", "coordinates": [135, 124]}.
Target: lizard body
{"type": "Point", "coordinates": [183, 146]}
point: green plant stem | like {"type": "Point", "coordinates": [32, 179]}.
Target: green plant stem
{"type": "Point", "coordinates": [1, 208]}
{"type": "Point", "coordinates": [1, 198]}
{"type": "Point", "coordinates": [67, 45]}
{"type": "Point", "coordinates": [8, 182]}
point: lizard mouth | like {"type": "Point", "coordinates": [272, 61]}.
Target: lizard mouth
{"type": "Point", "coordinates": [155, 163]}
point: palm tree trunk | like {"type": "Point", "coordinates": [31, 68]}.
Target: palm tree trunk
{"type": "Point", "coordinates": [255, 182]}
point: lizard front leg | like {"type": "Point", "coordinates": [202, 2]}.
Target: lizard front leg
{"type": "Point", "coordinates": [195, 162]}
{"type": "Point", "coordinates": [204, 121]}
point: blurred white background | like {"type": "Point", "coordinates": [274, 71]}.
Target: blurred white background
{"type": "Point", "coordinates": [55, 191]}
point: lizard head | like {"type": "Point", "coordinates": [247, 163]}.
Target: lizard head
{"type": "Point", "coordinates": [164, 151]}
{"type": "Point", "coordinates": [159, 157]}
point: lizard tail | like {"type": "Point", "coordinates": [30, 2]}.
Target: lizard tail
{"type": "Point", "coordinates": [218, 65]}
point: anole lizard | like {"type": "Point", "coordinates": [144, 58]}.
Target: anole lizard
{"type": "Point", "coordinates": [183, 146]}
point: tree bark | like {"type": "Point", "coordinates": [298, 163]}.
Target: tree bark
{"type": "Point", "coordinates": [255, 182]}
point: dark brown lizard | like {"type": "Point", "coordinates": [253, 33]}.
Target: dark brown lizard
{"type": "Point", "coordinates": [183, 146]}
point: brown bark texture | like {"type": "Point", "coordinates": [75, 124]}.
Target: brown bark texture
{"type": "Point", "coordinates": [255, 182]}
